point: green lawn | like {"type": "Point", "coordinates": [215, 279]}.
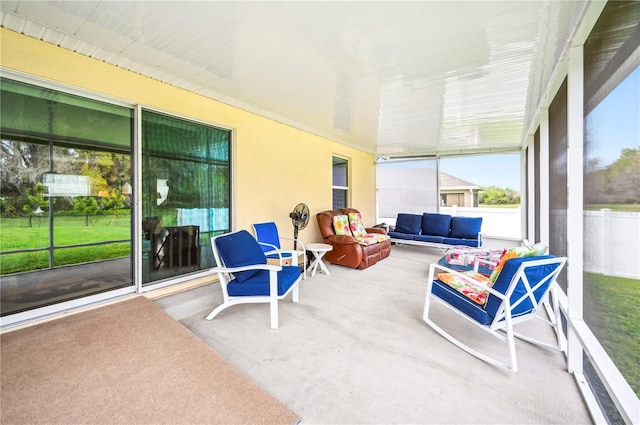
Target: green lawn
{"type": "Point", "coordinates": [612, 311]}
{"type": "Point", "coordinates": [16, 234]}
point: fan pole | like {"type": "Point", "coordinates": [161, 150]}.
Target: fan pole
{"type": "Point", "coordinates": [295, 237]}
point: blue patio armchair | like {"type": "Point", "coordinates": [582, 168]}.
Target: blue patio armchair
{"type": "Point", "coordinates": [270, 242]}
{"type": "Point", "coordinates": [521, 288]}
{"type": "Point", "coordinates": [245, 277]}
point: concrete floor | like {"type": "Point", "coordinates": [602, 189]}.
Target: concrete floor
{"type": "Point", "coordinates": [355, 350]}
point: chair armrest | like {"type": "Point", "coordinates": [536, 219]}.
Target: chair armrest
{"type": "Point", "coordinates": [272, 246]}
{"type": "Point", "coordinates": [342, 240]}
{"type": "Point", "coordinates": [284, 251]}
{"type": "Point", "coordinates": [296, 240]}
{"type": "Point", "coordinates": [375, 230]}
{"type": "Point", "coordinates": [432, 277]}
{"type": "Point", "coordinates": [274, 249]}
{"type": "Point", "coordinates": [478, 261]}
{"type": "Point", "coordinates": [244, 268]}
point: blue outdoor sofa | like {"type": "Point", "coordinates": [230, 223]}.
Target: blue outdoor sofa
{"type": "Point", "coordinates": [437, 230]}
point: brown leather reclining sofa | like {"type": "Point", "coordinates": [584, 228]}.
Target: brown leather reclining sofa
{"type": "Point", "coordinates": [346, 250]}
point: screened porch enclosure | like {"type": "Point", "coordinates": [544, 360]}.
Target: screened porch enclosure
{"type": "Point", "coordinates": [570, 109]}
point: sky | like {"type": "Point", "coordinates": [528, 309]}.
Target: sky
{"type": "Point", "coordinates": [615, 123]}
{"type": "Point", "coordinates": [486, 170]}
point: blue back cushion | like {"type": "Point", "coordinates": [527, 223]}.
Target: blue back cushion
{"type": "Point", "coordinates": [408, 223]}
{"type": "Point", "coordinates": [267, 233]}
{"type": "Point", "coordinates": [240, 249]}
{"type": "Point", "coordinates": [465, 227]}
{"type": "Point", "coordinates": [534, 274]}
{"type": "Point", "coordinates": [436, 224]}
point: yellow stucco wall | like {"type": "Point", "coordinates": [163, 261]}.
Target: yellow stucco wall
{"type": "Point", "coordinates": [276, 166]}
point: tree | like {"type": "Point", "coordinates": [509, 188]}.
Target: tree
{"type": "Point", "coordinates": [36, 199]}
{"type": "Point", "coordinates": [618, 183]}
{"type": "Point", "coordinates": [114, 201]}
{"type": "Point", "coordinates": [22, 166]}
{"type": "Point", "coordinates": [493, 195]}
{"type": "Point", "coordinates": [85, 205]}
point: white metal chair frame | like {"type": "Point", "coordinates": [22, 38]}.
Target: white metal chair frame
{"type": "Point", "coordinates": [503, 320]}
{"type": "Point", "coordinates": [294, 253]}
{"type": "Point", "coordinates": [225, 276]}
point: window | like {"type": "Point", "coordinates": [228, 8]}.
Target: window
{"type": "Point", "coordinates": [340, 183]}
{"type": "Point", "coordinates": [406, 186]}
{"type": "Point", "coordinates": [611, 180]}
{"type": "Point", "coordinates": [487, 186]}
{"type": "Point", "coordinates": [186, 194]}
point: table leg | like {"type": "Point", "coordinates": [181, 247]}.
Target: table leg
{"type": "Point", "coordinates": [323, 266]}
{"type": "Point", "coordinates": [318, 261]}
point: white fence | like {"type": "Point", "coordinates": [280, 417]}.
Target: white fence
{"type": "Point", "coordinates": [612, 238]}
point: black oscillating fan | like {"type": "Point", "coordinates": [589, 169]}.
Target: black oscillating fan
{"type": "Point", "coordinates": [299, 217]}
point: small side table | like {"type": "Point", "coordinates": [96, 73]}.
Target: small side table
{"type": "Point", "coordinates": [318, 250]}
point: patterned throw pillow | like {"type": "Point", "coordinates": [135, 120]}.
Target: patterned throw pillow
{"type": "Point", "coordinates": [341, 225]}
{"type": "Point", "coordinates": [475, 293]}
{"type": "Point", "coordinates": [355, 223]}
{"type": "Point", "coordinates": [379, 236]}
{"type": "Point", "coordinates": [366, 240]}
{"type": "Point", "coordinates": [517, 252]}
{"type": "Point", "coordinates": [371, 238]}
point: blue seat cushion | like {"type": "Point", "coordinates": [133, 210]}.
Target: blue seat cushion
{"type": "Point", "coordinates": [400, 235]}
{"type": "Point", "coordinates": [534, 274]}
{"type": "Point", "coordinates": [436, 224]}
{"type": "Point", "coordinates": [277, 257]}
{"type": "Point", "coordinates": [408, 223]}
{"type": "Point", "coordinates": [239, 249]}
{"type": "Point", "coordinates": [460, 302]}
{"type": "Point", "coordinates": [429, 238]}
{"type": "Point", "coordinates": [460, 241]}
{"type": "Point", "coordinates": [258, 284]}
{"type": "Point", "coordinates": [465, 227]}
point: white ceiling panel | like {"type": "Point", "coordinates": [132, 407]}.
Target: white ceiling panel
{"type": "Point", "coordinates": [392, 78]}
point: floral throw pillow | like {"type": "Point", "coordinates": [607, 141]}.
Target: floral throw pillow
{"type": "Point", "coordinates": [367, 240]}
{"type": "Point", "coordinates": [341, 225]}
{"type": "Point", "coordinates": [517, 252]}
{"type": "Point", "coordinates": [355, 223]}
{"type": "Point", "coordinates": [379, 237]}
{"type": "Point", "coordinates": [475, 293]}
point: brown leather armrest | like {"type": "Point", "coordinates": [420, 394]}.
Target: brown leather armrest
{"type": "Point", "coordinates": [342, 240]}
{"type": "Point", "coordinates": [376, 230]}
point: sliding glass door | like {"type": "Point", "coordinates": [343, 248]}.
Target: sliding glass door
{"type": "Point", "coordinates": [186, 192]}
{"type": "Point", "coordinates": [65, 197]}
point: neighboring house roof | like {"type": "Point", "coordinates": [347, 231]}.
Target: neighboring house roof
{"type": "Point", "coordinates": [449, 182]}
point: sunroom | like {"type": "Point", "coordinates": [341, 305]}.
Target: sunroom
{"type": "Point", "coordinates": [120, 118]}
